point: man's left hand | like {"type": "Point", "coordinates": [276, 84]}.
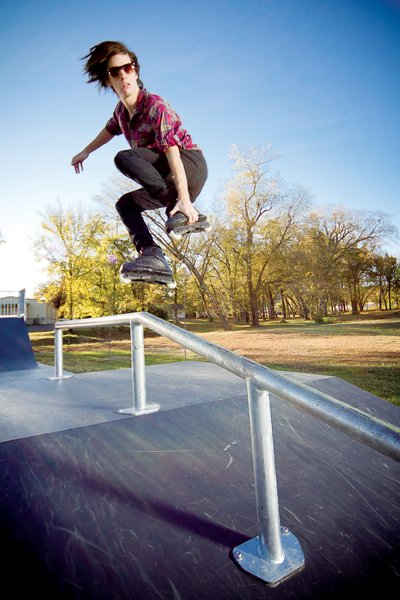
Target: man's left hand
{"type": "Point", "coordinates": [186, 207]}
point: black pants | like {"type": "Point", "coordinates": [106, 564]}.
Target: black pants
{"type": "Point", "coordinates": [151, 170]}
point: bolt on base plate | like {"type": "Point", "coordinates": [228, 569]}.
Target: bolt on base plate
{"type": "Point", "coordinates": [248, 557]}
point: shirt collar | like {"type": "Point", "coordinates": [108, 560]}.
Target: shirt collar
{"type": "Point", "coordinates": [122, 110]}
{"type": "Point", "coordinates": [139, 103]}
{"type": "Point", "coordinates": [140, 100]}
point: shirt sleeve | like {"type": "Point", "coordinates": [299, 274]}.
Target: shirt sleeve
{"type": "Point", "coordinates": [166, 126]}
{"type": "Point", "coordinates": [113, 125]}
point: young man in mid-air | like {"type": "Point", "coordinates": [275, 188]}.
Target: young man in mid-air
{"type": "Point", "coordinates": [162, 159]}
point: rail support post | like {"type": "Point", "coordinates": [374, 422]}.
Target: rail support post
{"type": "Point", "coordinates": [275, 553]}
{"type": "Point", "coordinates": [140, 406]}
{"type": "Point", "coordinates": [58, 357]}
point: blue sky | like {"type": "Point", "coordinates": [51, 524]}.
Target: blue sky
{"type": "Point", "coordinates": [318, 79]}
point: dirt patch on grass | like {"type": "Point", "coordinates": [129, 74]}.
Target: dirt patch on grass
{"type": "Point", "coordinates": [294, 349]}
{"type": "Point", "coordinates": [339, 344]}
{"type": "Point", "coordinates": [366, 354]}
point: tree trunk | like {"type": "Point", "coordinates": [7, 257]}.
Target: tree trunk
{"type": "Point", "coordinates": [271, 305]}
{"type": "Point", "coordinates": [214, 303]}
{"type": "Point", "coordinates": [216, 307]}
{"type": "Point", "coordinates": [283, 304]}
{"type": "Point", "coordinates": [255, 319]}
{"type": "Point", "coordinates": [354, 306]}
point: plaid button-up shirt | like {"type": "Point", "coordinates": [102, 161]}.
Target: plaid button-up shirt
{"type": "Point", "coordinates": [154, 124]}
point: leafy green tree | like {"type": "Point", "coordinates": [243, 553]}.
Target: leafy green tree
{"type": "Point", "coordinates": [356, 266]}
{"type": "Point", "coordinates": [226, 273]}
{"type": "Point", "coordinates": [384, 270]}
{"type": "Point", "coordinates": [332, 247]}
{"type": "Point", "coordinates": [68, 243]}
{"type": "Point", "coordinates": [396, 285]}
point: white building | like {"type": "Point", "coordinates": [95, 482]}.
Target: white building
{"type": "Point", "coordinates": [34, 312]}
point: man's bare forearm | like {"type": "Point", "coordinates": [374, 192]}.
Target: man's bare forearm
{"type": "Point", "coordinates": [102, 138]}
{"type": "Point", "coordinates": [183, 203]}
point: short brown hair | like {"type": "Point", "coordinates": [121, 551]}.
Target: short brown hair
{"type": "Point", "coordinates": [97, 61]}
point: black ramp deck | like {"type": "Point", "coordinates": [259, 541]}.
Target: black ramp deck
{"type": "Point", "coordinates": [150, 507]}
{"type": "Point", "coordinates": [15, 346]}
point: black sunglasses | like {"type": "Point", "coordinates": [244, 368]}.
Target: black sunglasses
{"type": "Point", "coordinates": [128, 68]}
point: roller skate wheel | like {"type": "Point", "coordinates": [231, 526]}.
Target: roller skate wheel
{"type": "Point", "coordinates": [175, 236]}
{"type": "Point", "coordinates": [124, 279]}
{"type": "Point", "coordinates": [171, 285]}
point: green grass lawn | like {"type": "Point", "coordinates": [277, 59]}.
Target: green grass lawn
{"type": "Point", "coordinates": [100, 349]}
{"type": "Point", "coordinates": [382, 381]}
{"type": "Point", "coordinates": [84, 361]}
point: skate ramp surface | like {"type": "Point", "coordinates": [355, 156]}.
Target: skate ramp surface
{"type": "Point", "coordinates": [99, 505]}
{"type": "Point", "coordinates": [16, 352]}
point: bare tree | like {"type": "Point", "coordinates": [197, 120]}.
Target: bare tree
{"type": "Point", "coordinates": [263, 209]}
{"type": "Point", "coordinates": [192, 251]}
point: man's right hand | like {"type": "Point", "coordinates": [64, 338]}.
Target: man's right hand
{"type": "Point", "coordinates": [77, 161]}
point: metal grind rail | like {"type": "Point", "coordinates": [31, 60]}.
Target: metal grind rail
{"type": "Point", "coordinates": [275, 552]}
